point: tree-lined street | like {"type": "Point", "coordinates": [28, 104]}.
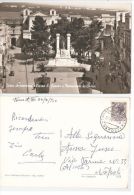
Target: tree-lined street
{"type": "Point", "coordinates": [67, 39]}
{"type": "Point", "coordinates": [23, 80]}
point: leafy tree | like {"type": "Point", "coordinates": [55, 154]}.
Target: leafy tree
{"type": "Point", "coordinates": [38, 47]}
{"type": "Point", "coordinates": [82, 38]}
{"type": "Point", "coordinates": [77, 23]}
{"type": "Point", "coordinates": [86, 38]}
{"type": "Point", "coordinates": [95, 28]}
{"type": "Point", "coordinates": [32, 50]}
{"type": "Point", "coordinates": [62, 27]}
{"type": "Point", "coordinates": [75, 26]}
{"type": "Point", "coordinates": [81, 41]}
{"type": "Point", "coordinates": [40, 32]}
{"type": "Point", "coordinates": [26, 48]}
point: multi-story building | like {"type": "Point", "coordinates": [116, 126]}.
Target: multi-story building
{"type": "Point", "coordinates": [5, 43]}
{"type": "Point", "coordinates": [123, 43]}
{"type": "Point", "coordinates": [106, 36]}
{"type": "Point", "coordinates": [120, 16]}
{"type": "Point", "coordinates": [120, 34]}
{"type": "Point", "coordinates": [29, 17]}
{"type": "Point", "coordinates": [108, 22]}
{"type": "Point", "coordinates": [15, 32]}
{"type": "Point", "coordinates": [51, 18]}
{"type": "Point", "coordinates": [127, 43]}
{"type": "Point", "coordinates": [14, 21]}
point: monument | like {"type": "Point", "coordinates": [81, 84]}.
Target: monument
{"type": "Point", "coordinates": [63, 54]}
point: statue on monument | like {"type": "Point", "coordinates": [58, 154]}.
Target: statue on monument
{"type": "Point", "coordinates": [63, 43]}
{"type": "Point", "coordinates": [63, 46]}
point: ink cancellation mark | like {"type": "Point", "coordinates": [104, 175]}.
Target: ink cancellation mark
{"type": "Point", "coordinates": [113, 119]}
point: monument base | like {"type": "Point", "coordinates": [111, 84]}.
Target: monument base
{"type": "Point", "coordinates": [63, 53]}
{"type": "Point", "coordinates": [67, 62]}
{"type": "Point", "coordinates": [63, 59]}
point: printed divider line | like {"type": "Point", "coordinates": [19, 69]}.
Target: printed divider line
{"type": "Point", "coordinates": [60, 140]}
{"type": "Point", "coordinates": [60, 147]}
{"type": "Point", "coordinates": [29, 162]}
{"type": "Point", "coordinates": [61, 133]}
{"type": "Point", "coordinates": [88, 175]}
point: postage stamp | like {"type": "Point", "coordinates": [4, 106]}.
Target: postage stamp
{"type": "Point", "coordinates": [113, 119]}
{"type": "Point", "coordinates": [118, 111]}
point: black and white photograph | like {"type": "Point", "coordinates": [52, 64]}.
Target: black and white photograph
{"type": "Point", "coordinates": [66, 97]}
{"type": "Point", "coordinates": [65, 47]}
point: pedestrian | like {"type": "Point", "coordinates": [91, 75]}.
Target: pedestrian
{"type": "Point", "coordinates": [54, 79]}
{"type": "Point", "coordinates": [120, 83]}
{"type": "Point", "coordinates": [114, 77]}
{"type": "Point", "coordinates": [33, 87]}
{"type": "Point", "coordinates": [92, 69]}
{"type": "Point", "coordinates": [96, 77]}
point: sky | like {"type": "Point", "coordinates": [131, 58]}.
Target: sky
{"type": "Point", "coordinates": [111, 4]}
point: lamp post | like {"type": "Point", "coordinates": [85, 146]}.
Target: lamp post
{"type": "Point", "coordinates": [26, 71]}
{"type": "Point", "coordinates": [4, 72]}
{"type": "Point", "coordinates": [33, 62]}
{"type": "Point", "coordinates": [26, 76]}
{"type": "Point", "coordinates": [33, 48]}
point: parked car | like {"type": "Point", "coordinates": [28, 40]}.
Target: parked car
{"type": "Point", "coordinates": [101, 58]}
{"type": "Point", "coordinates": [11, 73]}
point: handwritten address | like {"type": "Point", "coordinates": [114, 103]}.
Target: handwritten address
{"type": "Point", "coordinates": [80, 149]}
{"type": "Point", "coordinates": [84, 150]}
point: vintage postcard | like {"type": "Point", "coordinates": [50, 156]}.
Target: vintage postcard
{"type": "Point", "coordinates": [65, 47]}
{"type": "Point", "coordinates": [49, 139]}
{"type": "Point", "coordinates": [64, 142]}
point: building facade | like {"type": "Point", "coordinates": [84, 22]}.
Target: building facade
{"type": "Point", "coordinates": [29, 17]}
{"type": "Point", "coordinates": [108, 22]}
{"type": "Point", "coordinates": [14, 21]}
{"type": "Point", "coordinates": [123, 43]}
{"type": "Point", "coordinates": [15, 34]}
{"type": "Point", "coordinates": [5, 43]}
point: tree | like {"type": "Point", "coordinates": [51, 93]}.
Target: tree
{"type": "Point", "coordinates": [86, 39]}
{"type": "Point", "coordinates": [26, 48]}
{"type": "Point", "coordinates": [75, 26]}
{"type": "Point", "coordinates": [81, 41]}
{"type": "Point", "coordinates": [82, 38]}
{"type": "Point", "coordinates": [38, 46]}
{"type": "Point", "coordinates": [40, 38]}
{"type": "Point", "coordinates": [95, 29]}
{"type": "Point", "coordinates": [62, 27]}
{"type": "Point", "coordinates": [40, 31]}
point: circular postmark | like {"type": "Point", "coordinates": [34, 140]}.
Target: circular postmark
{"type": "Point", "coordinates": [112, 122]}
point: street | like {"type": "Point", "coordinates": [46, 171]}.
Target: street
{"type": "Point", "coordinates": [100, 74]}
{"type": "Point", "coordinates": [61, 81]}
{"type": "Point", "coordinates": [23, 80]}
